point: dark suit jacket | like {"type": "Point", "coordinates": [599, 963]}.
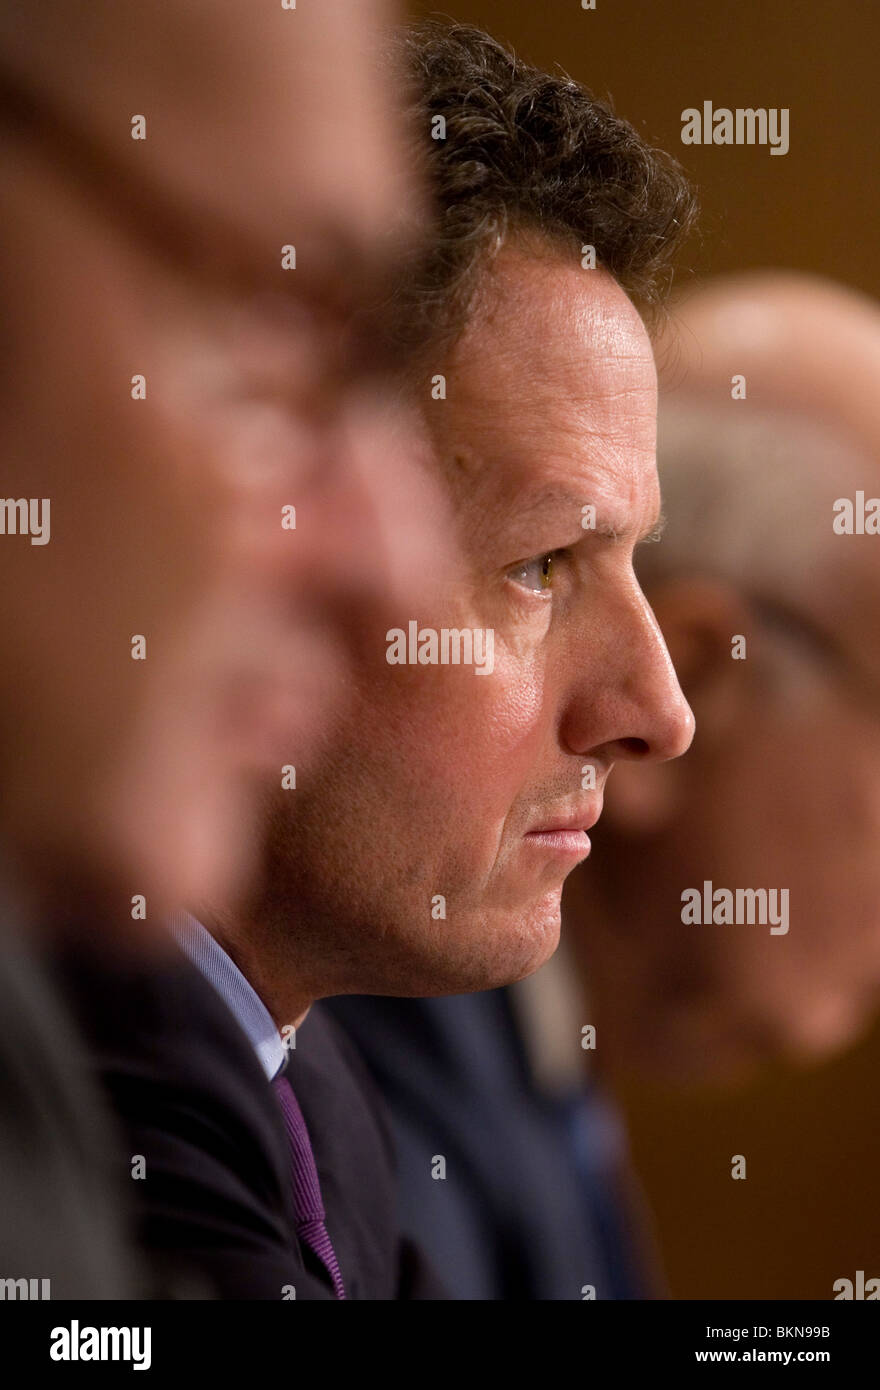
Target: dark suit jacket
{"type": "Point", "coordinates": [533, 1203]}
{"type": "Point", "coordinates": [356, 1161]}
{"type": "Point", "coordinates": [61, 1217]}
{"type": "Point", "coordinates": [214, 1206]}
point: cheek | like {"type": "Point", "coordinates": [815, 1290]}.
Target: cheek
{"type": "Point", "coordinates": [815, 828]}
{"type": "Point", "coordinates": [856, 776]}
{"type": "Point", "coordinates": [511, 719]}
{"type": "Point", "coordinates": [850, 837]}
{"type": "Point", "coordinates": [471, 741]}
{"type": "Point", "coordinates": [827, 800]}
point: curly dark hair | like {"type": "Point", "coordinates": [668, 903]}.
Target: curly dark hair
{"type": "Point", "coordinates": [527, 151]}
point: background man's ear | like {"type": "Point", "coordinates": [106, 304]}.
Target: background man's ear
{"type": "Point", "coordinates": [701, 619]}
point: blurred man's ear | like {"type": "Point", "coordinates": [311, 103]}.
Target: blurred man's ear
{"type": "Point", "coordinates": [701, 620]}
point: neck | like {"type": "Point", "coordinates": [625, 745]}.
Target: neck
{"type": "Point", "coordinates": [286, 997]}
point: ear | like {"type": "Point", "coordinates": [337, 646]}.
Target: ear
{"type": "Point", "coordinates": [701, 620]}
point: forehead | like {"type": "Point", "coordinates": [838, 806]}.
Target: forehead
{"type": "Point", "coordinates": [274, 122]}
{"type": "Point", "coordinates": [803, 343]}
{"type": "Point", "coordinates": [553, 384]}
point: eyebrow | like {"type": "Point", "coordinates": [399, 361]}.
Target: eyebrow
{"type": "Point", "coordinates": [821, 639]}
{"type": "Point", "coordinates": [561, 501]}
{"type": "Point", "coordinates": [655, 532]}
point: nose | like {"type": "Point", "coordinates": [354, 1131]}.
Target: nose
{"type": "Point", "coordinates": [343, 518]}
{"type": "Point", "coordinates": [627, 703]}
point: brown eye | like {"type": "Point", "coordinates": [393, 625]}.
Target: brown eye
{"type": "Point", "coordinates": [536, 574]}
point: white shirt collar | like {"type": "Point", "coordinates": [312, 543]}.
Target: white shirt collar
{"type": "Point", "coordinates": [220, 970]}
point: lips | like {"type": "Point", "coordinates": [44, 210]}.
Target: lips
{"type": "Point", "coordinates": [570, 846]}
{"type": "Point", "coordinates": [563, 835]}
{"type": "Point", "coordinates": [561, 828]}
{"type": "Point", "coordinates": [582, 820]}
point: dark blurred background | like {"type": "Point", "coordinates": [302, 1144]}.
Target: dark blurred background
{"type": "Point", "coordinates": [811, 1137]}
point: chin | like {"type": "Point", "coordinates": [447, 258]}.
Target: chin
{"type": "Point", "coordinates": [521, 944]}
{"type": "Point", "coordinates": [488, 950]}
{"type": "Point", "coordinates": [544, 946]}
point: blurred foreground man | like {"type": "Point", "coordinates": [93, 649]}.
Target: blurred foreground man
{"type": "Point", "coordinates": [169, 388]}
{"type": "Point", "coordinates": [426, 850]}
{"type": "Point", "coordinates": [767, 587]}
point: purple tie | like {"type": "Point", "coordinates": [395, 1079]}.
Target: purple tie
{"type": "Point", "coordinates": [308, 1206]}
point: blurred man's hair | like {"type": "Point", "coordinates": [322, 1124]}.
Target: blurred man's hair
{"type": "Point", "coordinates": [747, 500]}
{"type": "Point", "coordinates": [525, 152]}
